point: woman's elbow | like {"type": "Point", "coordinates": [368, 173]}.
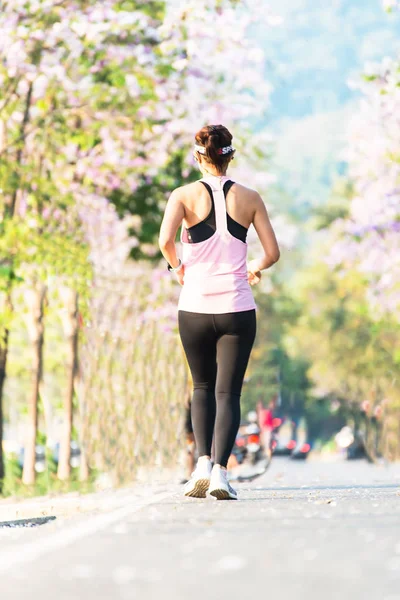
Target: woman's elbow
{"type": "Point", "coordinates": [165, 243]}
{"type": "Point", "coordinates": [276, 255]}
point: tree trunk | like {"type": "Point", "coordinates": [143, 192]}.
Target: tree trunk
{"type": "Point", "coordinates": [3, 341]}
{"type": "Point", "coordinates": [20, 151]}
{"type": "Point", "coordinates": [83, 467]}
{"type": "Point", "coordinates": [48, 415]}
{"type": "Point", "coordinates": [9, 211]}
{"type": "Point", "coordinates": [3, 363]}
{"type": "Point", "coordinates": [80, 392]}
{"type": "Point", "coordinates": [70, 325]}
{"type": "Point", "coordinates": [34, 320]}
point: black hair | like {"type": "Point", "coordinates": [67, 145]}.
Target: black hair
{"type": "Point", "coordinates": [214, 138]}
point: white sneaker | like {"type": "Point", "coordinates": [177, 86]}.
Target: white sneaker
{"type": "Point", "coordinates": [219, 485]}
{"type": "Point", "coordinates": [199, 482]}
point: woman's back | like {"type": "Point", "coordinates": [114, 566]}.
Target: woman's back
{"type": "Point", "coordinates": [193, 207]}
{"type": "Point", "coordinates": [240, 204]}
{"type": "Point", "coordinates": [215, 258]}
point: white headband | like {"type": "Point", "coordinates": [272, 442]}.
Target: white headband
{"type": "Point", "coordinates": [224, 150]}
{"type": "Point", "coordinates": [200, 149]}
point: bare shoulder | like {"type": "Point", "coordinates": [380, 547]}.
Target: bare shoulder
{"type": "Point", "coordinates": [188, 190]}
{"type": "Point", "coordinates": [248, 194]}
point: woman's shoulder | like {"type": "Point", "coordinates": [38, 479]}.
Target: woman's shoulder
{"type": "Point", "coordinates": [246, 192]}
{"type": "Point", "coordinates": [185, 191]}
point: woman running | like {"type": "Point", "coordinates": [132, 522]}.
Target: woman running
{"type": "Point", "coordinates": [217, 318]}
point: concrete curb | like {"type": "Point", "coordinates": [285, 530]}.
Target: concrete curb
{"type": "Point", "coordinates": [48, 509]}
{"type": "Point", "coordinates": [72, 505]}
{"type": "Point", "coordinates": [58, 507]}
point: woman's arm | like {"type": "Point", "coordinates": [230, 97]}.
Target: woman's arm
{"type": "Point", "coordinates": [266, 234]}
{"type": "Point", "coordinates": [173, 216]}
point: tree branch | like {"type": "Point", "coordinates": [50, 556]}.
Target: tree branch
{"type": "Point", "coordinates": [25, 121]}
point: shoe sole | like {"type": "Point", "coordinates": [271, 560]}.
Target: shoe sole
{"type": "Point", "coordinates": [221, 494]}
{"type": "Point", "coordinates": [200, 489]}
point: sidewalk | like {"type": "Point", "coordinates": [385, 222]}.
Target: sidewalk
{"type": "Point", "coordinates": [67, 505]}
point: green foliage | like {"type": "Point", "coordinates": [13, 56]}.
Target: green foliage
{"type": "Point", "coordinates": [351, 351]}
{"type": "Point", "coordinates": [337, 206]}
{"type": "Point", "coordinates": [46, 482]}
{"type": "Point", "coordinates": [274, 368]}
{"type": "Point", "coordinates": [148, 202]}
{"type": "Point", "coordinates": [154, 8]}
{"type": "Point", "coordinates": [31, 250]}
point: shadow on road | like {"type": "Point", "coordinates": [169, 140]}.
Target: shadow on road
{"type": "Point", "coordinates": [27, 522]}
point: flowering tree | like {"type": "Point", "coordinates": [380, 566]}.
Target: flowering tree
{"type": "Point", "coordinates": [369, 239]}
{"type": "Point", "coordinates": [67, 83]}
{"type": "Point", "coordinates": [204, 39]}
{"type": "Point", "coordinates": [101, 98]}
{"type": "Point", "coordinates": [357, 336]}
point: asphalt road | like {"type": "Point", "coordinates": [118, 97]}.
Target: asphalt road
{"type": "Point", "coordinates": [307, 531]}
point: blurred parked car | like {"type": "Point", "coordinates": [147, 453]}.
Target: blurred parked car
{"type": "Point", "coordinates": [40, 458]}
{"type": "Point", "coordinates": [75, 454]}
{"type": "Point", "coordinates": [40, 464]}
{"type": "Point", "coordinates": [284, 448]}
{"type": "Point", "coordinates": [301, 451]}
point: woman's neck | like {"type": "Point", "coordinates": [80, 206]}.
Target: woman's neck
{"type": "Point", "coordinates": [213, 171]}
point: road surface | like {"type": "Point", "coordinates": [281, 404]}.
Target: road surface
{"type": "Point", "coordinates": [307, 531]}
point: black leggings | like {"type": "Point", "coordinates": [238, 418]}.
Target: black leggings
{"type": "Point", "coordinates": [217, 348]}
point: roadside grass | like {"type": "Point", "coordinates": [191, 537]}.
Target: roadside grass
{"type": "Point", "coordinates": [46, 481]}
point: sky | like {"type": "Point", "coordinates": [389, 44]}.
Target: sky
{"type": "Point", "coordinates": [310, 58]}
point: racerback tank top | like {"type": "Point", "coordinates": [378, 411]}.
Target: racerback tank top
{"type": "Point", "coordinates": [216, 269]}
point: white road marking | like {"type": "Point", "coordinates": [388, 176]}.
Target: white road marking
{"type": "Point", "coordinates": [60, 539]}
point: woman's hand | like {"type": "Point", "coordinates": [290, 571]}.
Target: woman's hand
{"type": "Point", "coordinates": [180, 275]}
{"type": "Point", "coordinates": [253, 272]}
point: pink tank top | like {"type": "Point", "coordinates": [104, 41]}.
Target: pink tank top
{"type": "Point", "coordinates": [216, 269]}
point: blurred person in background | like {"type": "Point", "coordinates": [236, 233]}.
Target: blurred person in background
{"type": "Point", "coordinates": [217, 318]}
{"type": "Point", "coordinates": [266, 422]}
{"type": "Point", "coordinates": [377, 426]}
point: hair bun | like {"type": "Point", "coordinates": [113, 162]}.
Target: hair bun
{"type": "Point", "coordinates": [212, 146]}
{"type": "Point", "coordinates": [213, 138]}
